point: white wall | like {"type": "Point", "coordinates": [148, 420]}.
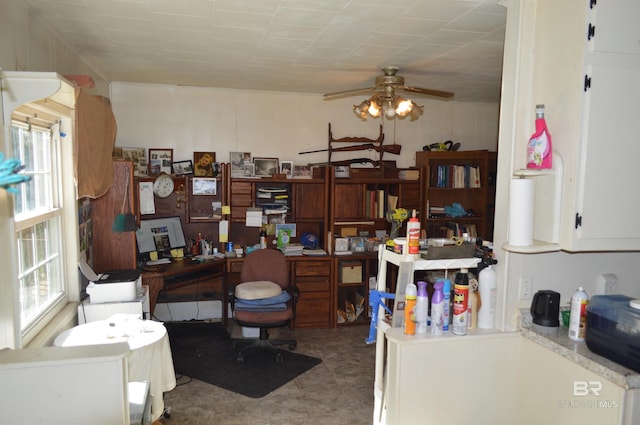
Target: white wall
{"type": "Point", "coordinates": [279, 124]}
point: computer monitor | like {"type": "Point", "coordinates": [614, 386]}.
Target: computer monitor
{"type": "Point", "coordinates": [160, 234]}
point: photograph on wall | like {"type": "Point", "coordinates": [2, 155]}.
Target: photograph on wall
{"type": "Point", "coordinates": [203, 164]}
{"type": "Point", "coordinates": [160, 161]}
{"type": "Point", "coordinates": [266, 166]}
{"type": "Point", "coordinates": [136, 155]}
{"type": "Point", "coordinates": [237, 160]}
{"type": "Point", "coordinates": [181, 168]}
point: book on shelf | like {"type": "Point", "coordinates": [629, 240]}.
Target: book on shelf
{"type": "Point", "coordinates": [409, 174]}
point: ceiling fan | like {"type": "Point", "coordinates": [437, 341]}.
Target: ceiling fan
{"type": "Point", "coordinates": [385, 100]}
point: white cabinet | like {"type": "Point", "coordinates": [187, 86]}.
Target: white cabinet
{"type": "Point", "coordinates": [585, 68]}
{"type": "Point", "coordinates": [555, 390]}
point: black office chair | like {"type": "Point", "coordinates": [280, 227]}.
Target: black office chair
{"type": "Point", "coordinates": [264, 299]}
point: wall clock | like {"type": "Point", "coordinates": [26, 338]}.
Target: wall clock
{"type": "Point", "coordinates": [163, 186]}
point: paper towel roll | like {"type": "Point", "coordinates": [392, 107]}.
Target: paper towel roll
{"type": "Point", "coordinates": [521, 211]}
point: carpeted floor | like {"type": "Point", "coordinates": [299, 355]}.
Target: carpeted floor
{"type": "Point", "coordinates": [204, 351]}
{"type": "Point", "coordinates": [337, 391]}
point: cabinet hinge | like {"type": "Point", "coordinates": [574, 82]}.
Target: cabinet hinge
{"type": "Point", "coordinates": [591, 31]}
{"type": "Point", "coordinates": [587, 82]}
{"type": "Point", "coordinates": [592, 3]}
{"type": "Point", "coordinates": [578, 220]}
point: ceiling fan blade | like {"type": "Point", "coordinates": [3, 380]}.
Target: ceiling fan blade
{"type": "Point", "coordinates": [347, 93]}
{"type": "Point", "coordinates": [428, 92]}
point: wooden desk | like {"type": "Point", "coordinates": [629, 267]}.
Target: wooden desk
{"type": "Point", "coordinates": [186, 280]}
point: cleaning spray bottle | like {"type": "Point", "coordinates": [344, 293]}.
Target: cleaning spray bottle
{"type": "Point", "coordinates": [411, 294]}
{"type": "Point", "coordinates": [461, 303]}
{"type": "Point", "coordinates": [578, 315]}
{"type": "Point", "coordinates": [413, 234]}
{"type": "Point", "coordinates": [447, 306]}
{"type": "Point", "coordinates": [422, 308]}
{"type": "Point", "coordinates": [539, 151]}
{"type": "Point", "coordinates": [437, 309]}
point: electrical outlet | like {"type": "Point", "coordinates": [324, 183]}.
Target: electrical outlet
{"type": "Point", "coordinates": [526, 287]}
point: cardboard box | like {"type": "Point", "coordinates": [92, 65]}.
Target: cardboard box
{"type": "Point", "coordinates": [350, 272]}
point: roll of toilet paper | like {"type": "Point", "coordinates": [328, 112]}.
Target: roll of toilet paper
{"type": "Point", "coordinates": [521, 211]}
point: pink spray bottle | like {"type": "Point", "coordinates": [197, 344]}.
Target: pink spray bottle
{"type": "Point", "coordinates": [539, 152]}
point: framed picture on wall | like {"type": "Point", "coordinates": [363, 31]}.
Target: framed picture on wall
{"type": "Point", "coordinates": [203, 164]}
{"type": "Point", "coordinates": [266, 166]}
{"type": "Point", "coordinates": [160, 161]}
{"type": "Point", "coordinates": [136, 155]}
{"type": "Point", "coordinates": [181, 168]}
{"type": "Point", "coordinates": [204, 186]}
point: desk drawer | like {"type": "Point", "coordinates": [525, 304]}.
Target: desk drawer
{"type": "Point", "coordinates": [312, 268]}
{"type": "Point", "coordinates": [313, 284]}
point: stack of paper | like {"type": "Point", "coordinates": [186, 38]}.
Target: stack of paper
{"type": "Point", "coordinates": [292, 249]}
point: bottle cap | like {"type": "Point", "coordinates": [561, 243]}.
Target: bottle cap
{"type": "Point", "coordinates": [411, 290]}
{"type": "Point", "coordinates": [447, 285]}
{"type": "Point", "coordinates": [438, 295]}
{"type": "Point", "coordinates": [422, 288]}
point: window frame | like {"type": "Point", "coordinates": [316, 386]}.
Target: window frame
{"type": "Point", "coordinates": [58, 103]}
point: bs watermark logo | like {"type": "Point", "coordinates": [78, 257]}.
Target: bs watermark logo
{"type": "Point", "coordinates": [584, 388]}
{"type": "Point", "coordinates": [585, 393]}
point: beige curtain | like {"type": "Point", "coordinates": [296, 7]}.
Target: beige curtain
{"type": "Point", "coordinates": [95, 137]}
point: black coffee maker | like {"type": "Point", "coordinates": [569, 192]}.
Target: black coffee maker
{"type": "Point", "coordinates": [545, 308]}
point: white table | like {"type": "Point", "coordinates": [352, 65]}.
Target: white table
{"type": "Point", "coordinates": [149, 358]}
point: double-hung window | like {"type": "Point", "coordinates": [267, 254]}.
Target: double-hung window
{"type": "Point", "coordinates": [38, 213]}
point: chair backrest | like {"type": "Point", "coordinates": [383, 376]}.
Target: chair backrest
{"type": "Point", "coordinates": [265, 264]}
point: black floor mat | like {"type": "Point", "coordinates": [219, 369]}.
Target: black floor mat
{"type": "Point", "coordinates": [204, 351]}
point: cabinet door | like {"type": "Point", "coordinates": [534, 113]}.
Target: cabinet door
{"type": "Point", "coordinates": [608, 159]}
{"type": "Point", "coordinates": [348, 201]}
{"type": "Point", "coordinates": [556, 390]}
{"type": "Point", "coordinates": [312, 278]}
{"type": "Point", "coordinates": [310, 201]}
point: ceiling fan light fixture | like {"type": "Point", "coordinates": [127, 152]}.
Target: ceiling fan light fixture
{"type": "Point", "coordinates": [416, 111]}
{"type": "Point", "coordinates": [403, 106]}
{"type": "Point", "coordinates": [374, 108]}
{"type": "Point", "coordinates": [361, 110]}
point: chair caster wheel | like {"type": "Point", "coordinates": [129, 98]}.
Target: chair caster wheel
{"type": "Point", "coordinates": [279, 358]}
{"type": "Point", "coordinates": [240, 358]}
{"type": "Point", "coordinates": [293, 346]}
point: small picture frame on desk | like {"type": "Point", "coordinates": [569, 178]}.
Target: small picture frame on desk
{"type": "Point", "coordinates": [181, 168]}
{"type": "Point", "coordinates": [160, 161]}
{"type": "Point", "coordinates": [249, 169]}
{"type": "Point", "coordinates": [286, 168]}
{"type": "Point", "coordinates": [301, 172]}
{"type": "Point", "coordinates": [266, 166]}
{"type": "Point", "coordinates": [204, 185]}
{"type": "Point", "coordinates": [237, 160]}
{"type": "Point", "coordinates": [342, 171]}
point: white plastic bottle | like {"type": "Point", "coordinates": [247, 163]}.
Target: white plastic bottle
{"type": "Point", "coordinates": [487, 288]}
{"type": "Point", "coordinates": [578, 316]}
{"type": "Point", "coordinates": [422, 308]}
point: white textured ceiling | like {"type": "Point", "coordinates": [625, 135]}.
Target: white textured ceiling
{"type": "Point", "coordinates": [313, 46]}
